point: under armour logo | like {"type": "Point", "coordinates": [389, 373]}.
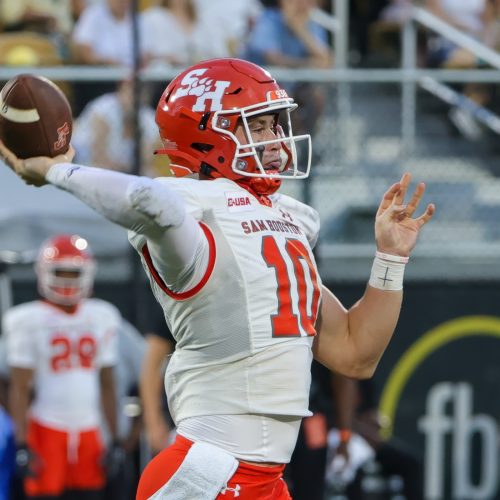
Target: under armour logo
{"type": "Point", "coordinates": [235, 490]}
{"type": "Point", "coordinates": [286, 215]}
{"type": "Point", "coordinates": [205, 89]}
{"type": "Point", "coordinates": [70, 171]}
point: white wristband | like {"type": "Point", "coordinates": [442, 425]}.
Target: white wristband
{"type": "Point", "coordinates": [388, 272]}
{"type": "Point", "coordinates": [391, 257]}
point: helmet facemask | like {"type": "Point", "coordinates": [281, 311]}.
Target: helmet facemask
{"type": "Point", "coordinates": [247, 160]}
{"type": "Point", "coordinates": [62, 289]}
{"type": "Point", "coordinates": [65, 270]}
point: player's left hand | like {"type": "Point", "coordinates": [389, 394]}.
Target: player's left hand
{"type": "Point", "coordinates": [33, 170]}
{"type": "Point", "coordinates": [27, 462]}
{"type": "Point", "coordinates": [114, 460]}
{"type": "Point", "coordinates": [396, 231]}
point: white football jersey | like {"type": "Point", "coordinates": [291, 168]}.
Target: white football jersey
{"type": "Point", "coordinates": [66, 352]}
{"type": "Point", "coordinates": [244, 332]}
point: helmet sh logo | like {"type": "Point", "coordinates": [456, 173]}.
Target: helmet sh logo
{"type": "Point", "coordinates": [204, 88]}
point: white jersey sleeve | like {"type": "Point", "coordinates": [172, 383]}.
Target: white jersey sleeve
{"type": "Point", "coordinates": [145, 206]}
{"type": "Point", "coordinates": [195, 263]}
{"type": "Point", "coordinates": [188, 190]}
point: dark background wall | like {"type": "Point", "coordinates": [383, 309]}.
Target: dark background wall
{"type": "Point", "coordinates": [446, 350]}
{"type": "Point", "coordinates": [448, 406]}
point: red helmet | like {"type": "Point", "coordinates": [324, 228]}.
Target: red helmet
{"type": "Point", "coordinates": [67, 254]}
{"type": "Point", "coordinates": [198, 114]}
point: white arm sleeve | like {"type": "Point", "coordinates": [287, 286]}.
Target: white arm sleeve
{"type": "Point", "coordinates": [142, 205]}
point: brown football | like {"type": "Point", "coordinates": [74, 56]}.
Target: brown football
{"type": "Point", "coordinates": [35, 117]}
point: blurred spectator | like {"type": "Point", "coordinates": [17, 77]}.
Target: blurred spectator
{"type": "Point", "coordinates": [28, 49]}
{"type": "Point", "coordinates": [131, 350]}
{"type": "Point", "coordinates": [173, 33]}
{"type": "Point", "coordinates": [393, 457]}
{"type": "Point", "coordinates": [476, 18]}
{"type": "Point", "coordinates": [61, 352]}
{"type": "Point", "coordinates": [470, 16]}
{"type": "Point", "coordinates": [41, 16]}
{"type": "Point", "coordinates": [103, 34]}
{"type": "Point", "coordinates": [51, 18]}
{"type": "Point", "coordinates": [104, 132]}
{"type": "Point", "coordinates": [375, 29]}
{"type": "Point", "coordinates": [80, 5]}
{"type": "Point", "coordinates": [491, 35]}
{"type": "Point", "coordinates": [286, 36]}
{"type": "Point", "coordinates": [231, 19]}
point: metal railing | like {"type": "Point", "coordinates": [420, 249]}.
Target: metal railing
{"type": "Point", "coordinates": [423, 17]}
{"type": "Point", "coordinates": [338, 25]}
{"type": "Point", "coordinates": [437, 25]}
{"type": "Point", "coordinates": [454, 98]}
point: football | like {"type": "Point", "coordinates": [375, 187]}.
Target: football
{"type": "Point", "coordinates": [35, 117]}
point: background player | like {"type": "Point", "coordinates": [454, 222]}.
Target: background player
{"type": "Point", "coordinates": [230, 261]}
{"type": "Point", "coordinates": [159, 346]}
{"type": "Point", "coordinates": [62, 348]}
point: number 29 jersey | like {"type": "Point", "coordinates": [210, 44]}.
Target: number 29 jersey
{"type": "Point", "coordinates": [244, 331]}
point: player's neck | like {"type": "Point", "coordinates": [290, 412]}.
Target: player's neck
{"type": "Point", "coordinates": [245, 183]}
{"type": "Point", "coordinates": [68, 309]}
{"type": "Point", "coordinates": [262, 198]}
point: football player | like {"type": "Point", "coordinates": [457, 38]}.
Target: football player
{"type": "Point", "coordinates": [62, 349]}
{"type": "Point", "coordinates": [230, 260]}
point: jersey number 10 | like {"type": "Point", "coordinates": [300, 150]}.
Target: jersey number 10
{"type": "Point", "coordinates": [301, 283]}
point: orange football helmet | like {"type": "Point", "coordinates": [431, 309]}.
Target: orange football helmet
{"type": "Point", "coordinates": [200, 110]}
{"type": "Point", "coordinates": [66, 269]}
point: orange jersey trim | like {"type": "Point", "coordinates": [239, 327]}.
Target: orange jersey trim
{"type": "Point", "coordinates": [193, 291]}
